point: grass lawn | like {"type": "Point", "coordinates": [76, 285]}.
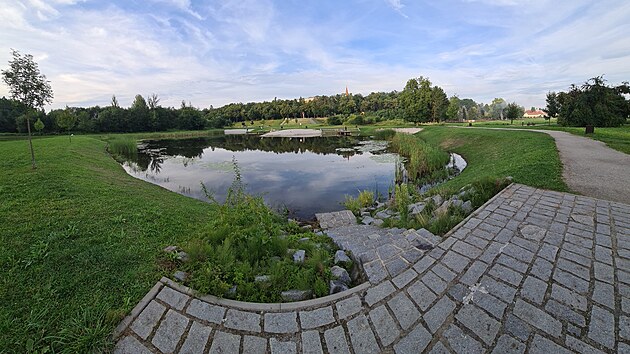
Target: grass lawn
{"type": "Point", "coordinates": [529, 158]}
{"type": "Point", "coordinates": [80, 239]}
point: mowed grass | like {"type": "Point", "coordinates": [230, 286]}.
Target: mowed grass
{"type": "Point", "coordinates": [529, 158]}
{"type": "Point", "coordinates": [80, 243]}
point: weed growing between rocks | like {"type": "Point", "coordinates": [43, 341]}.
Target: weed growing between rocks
{"type": "Point", "coordinates": [249, 253]}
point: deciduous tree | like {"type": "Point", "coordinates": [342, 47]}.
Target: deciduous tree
{"type": "Point", "coordinates": [29, 86]}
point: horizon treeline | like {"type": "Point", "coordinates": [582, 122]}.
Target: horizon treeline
{"type": "Point", "coordinates": [418, 102]}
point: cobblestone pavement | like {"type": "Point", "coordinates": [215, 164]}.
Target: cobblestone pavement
{"type": "Point", "coordinates": [383, 252]}
{"type": "Point", "coordinates": [531, 271]}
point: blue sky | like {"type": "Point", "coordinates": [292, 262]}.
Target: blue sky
{"type": "Point", "coordinates": [217, 52]}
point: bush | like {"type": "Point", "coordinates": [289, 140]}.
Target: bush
{"type": "Point", "coordinates": [334, 120]}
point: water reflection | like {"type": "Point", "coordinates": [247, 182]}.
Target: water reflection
{"type": "Point", "coordinates": [304, 176]}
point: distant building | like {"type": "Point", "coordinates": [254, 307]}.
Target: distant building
{"type": "Point", "coordinates": [534, 114]}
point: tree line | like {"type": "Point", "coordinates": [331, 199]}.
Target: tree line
{"type": "Point", "coordinates": [593, 103]}
{"type": "Point", "coordinates": [418, 102]}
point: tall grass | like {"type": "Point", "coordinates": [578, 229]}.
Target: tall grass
{"type": "Point", "coordinates": [425, 162]}
{"type": "Point", "coordinates": [364, 200]}
{"type": "Point", "coordinates": [123, 147]}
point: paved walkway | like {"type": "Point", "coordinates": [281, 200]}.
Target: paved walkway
{"type": "Point", "coordinates": [531, 271]}
{"type": "Point", "coordinates": [589, 166]}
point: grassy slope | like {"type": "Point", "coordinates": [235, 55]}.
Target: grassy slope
{"type": "Point", "coordinates": [530, 158]}
{"type": "Point", "coordinates": [80, 240]}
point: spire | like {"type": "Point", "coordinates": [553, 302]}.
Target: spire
{"type": "Point", "coordinates": [347, 94]}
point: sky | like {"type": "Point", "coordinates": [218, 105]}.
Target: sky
{"type": "Point", "coordinates": [209, 52]}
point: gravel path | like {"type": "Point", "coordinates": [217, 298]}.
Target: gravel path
{"type": "Point", "coordinates": [590, 167]}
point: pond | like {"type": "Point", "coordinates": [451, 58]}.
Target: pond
{"type": "Point", "coordinates": [301, 176]}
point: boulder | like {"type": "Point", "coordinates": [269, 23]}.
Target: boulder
{"type": "Point", "coordinates": [171, 249]}
{"type": "Point", "coordinates": [367, 220]}
{"type": "Point", "coordinates": [261, 279]}
{"type": "Point", "coordinates": [298, 256]}
{"type": "Point", "coordinates": [296, 295]}
{"type": "Point", "coordinates": [337, 286]}
{"type": "Point", "coordinates": [341, 275]}
{"type": "Point", "coordinates": [437, 199]}
{"type": "Point", "coordinates": [183, 256]}
{"type": "Point", "coordinates": [180, 276]}
{"type": "Point", "coordinates": [383, 214]}
{"type": "Point", "coordinates": [417, 208]}
{"type": "Point", "coordinates": [467, 207]}
{"type": "Point", "coordinates": [443, 209]}
{"type": "Point", "coordinates": [341, 257]}
{"type": "Point", "coordinates": [456, 202]}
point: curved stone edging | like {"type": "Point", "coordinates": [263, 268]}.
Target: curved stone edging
{"type": "Point", "coordinates": [533, 270]}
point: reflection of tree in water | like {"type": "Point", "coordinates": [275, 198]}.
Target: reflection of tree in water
{"type": "Point", "coordinates": [151, 155]}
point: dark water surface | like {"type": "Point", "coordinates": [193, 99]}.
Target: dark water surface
{"type": "Point", "coordinates": [305, 176]}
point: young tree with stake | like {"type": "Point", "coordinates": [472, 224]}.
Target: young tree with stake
{"type": "Point", "coordinates": [29, 86]}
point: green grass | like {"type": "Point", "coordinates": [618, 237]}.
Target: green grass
{"type": "Point", "coordinates": [80, 243]}
{"type": "Point", "coordinates": [530, 159]}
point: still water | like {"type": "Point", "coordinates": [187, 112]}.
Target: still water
{"type": "Point", "coordinates": [302, 176]}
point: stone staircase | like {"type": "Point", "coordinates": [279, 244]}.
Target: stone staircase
{"type": "Point", "coordinates": [382, 252]}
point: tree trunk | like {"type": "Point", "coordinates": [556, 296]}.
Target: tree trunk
{"type": "Point", "coordinates": [30, 141]}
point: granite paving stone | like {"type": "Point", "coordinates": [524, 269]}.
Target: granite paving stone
{"type": "Point", "coordinates": [282, 322]}
{"type": "Point", "coordinates": [421, 294]}
{"type": "Point", "coordinates": [379, 292]}
{"type": "Point", "coordinates": [130, 345]}
{"type": "Point", "coordinates": [336, 341]}
{"type": "Point", "coordinates": [508, 345]}
{"type": "Point", "coordinates": [148, 318]}
{"type": "Point", "coordinates": [282, 347]}
{"type": "Point", "coordinates": [254, 344]}
{"type": "Point", "coordinates": [537, 318]}
{"type": "Point", "coordinates": [311, 343]}
{"type": "Point", "coordinates": [348, 307]}
{"type": "Point", "coordinates": [460, 342]}
{"type": "Point", "coordinates": [361, 335]}
{"type": "Point", "coordinates": [205, 311]}
{"type": "Point", "coordinates": [563, 312]}
{"type": "Point", "coordinates": [174, 298]}
{"type": "Point", "coordinates": [542, 345]}
{"type": "Point", "coordinates": [534, 289]}
{"type": "Point", "coordinates": [196, 339]}
{"type": "Point", "coordinates": [170, 331]}
{"type": "Point", "coordinates": [225, 343]}
{"type": "Point", "coordinates": [385, 326]}
{"type": "Point", "coordinates": [316, 318]}
{"type": "Point", "coordinates": [242, 320]}
{"type": "Point", "coordinates": [414, 342]}
{"type": "Point", "coordinates": [404, 310]}
{"type": "Point", "coordinates": [602, 327]}
{"type": "Point", "coordinates": [437, 315]}
{"type": "Point", "coordinates": [484, 326]}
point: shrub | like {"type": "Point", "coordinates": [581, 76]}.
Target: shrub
{"type": "Point", "coordinates": [334, 120]}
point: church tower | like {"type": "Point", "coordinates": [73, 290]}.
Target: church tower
{"type": "Point", "coordinates": [347, 93]}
